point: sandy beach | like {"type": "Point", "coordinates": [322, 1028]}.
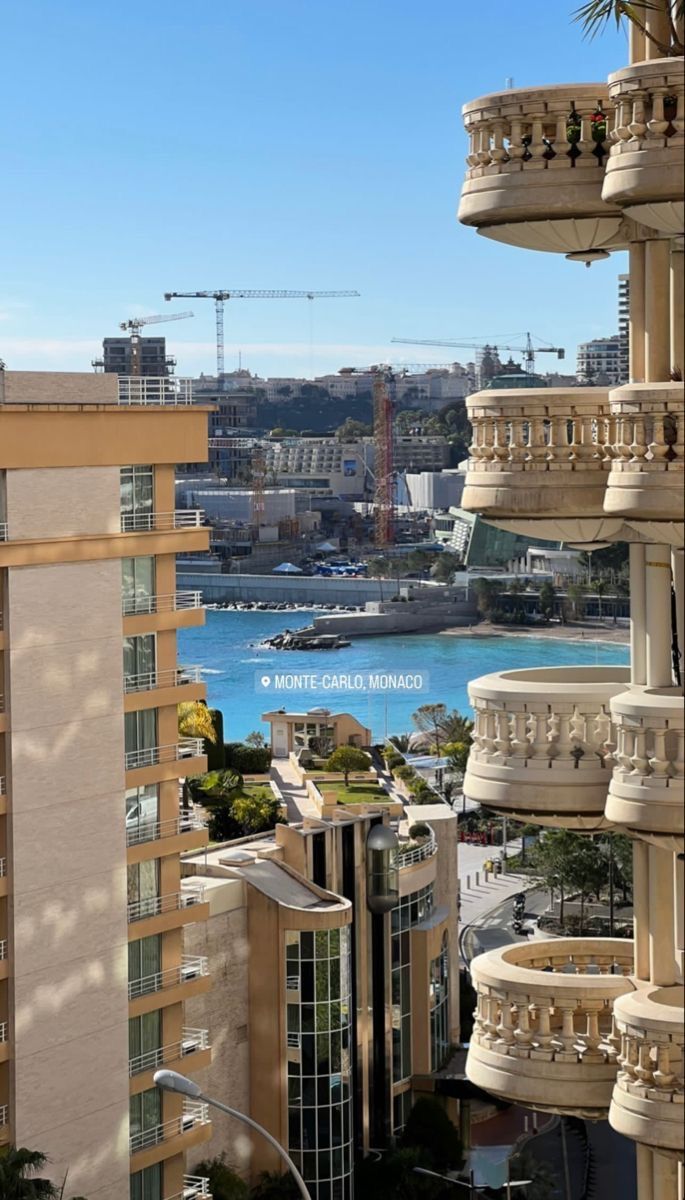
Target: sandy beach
{"type": "Point", "coordinates": [575, 631]}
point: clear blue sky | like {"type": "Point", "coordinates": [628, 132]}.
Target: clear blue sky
{"type": "Point", "coordinates": [271, 144]}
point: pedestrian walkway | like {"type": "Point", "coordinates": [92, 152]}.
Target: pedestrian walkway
{"type": "Point", "coordinates": [298, 802]}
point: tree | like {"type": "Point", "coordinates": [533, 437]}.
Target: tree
{"type": "Point", "coordinates": [18, 1179]}
{"type": "Point", "coordinates": [195, 720]}
{"type": "Point", "coordinates": [547, 597]}
{"type": "Point", "coordinates": [444, 567]}
{"type": "Point", "coordinates": [401, 740]}
{"type": "Point", "coordinates": [486, 596]}
{"type": "Point", "coordinates": [429, 719]}
{"type": "Point", "coordinates": [256, 739]}
{"type": "Point", "coordinates": [542, 1186]}
{"type": "Point", "coordinates": [393, 1177]}
{"type": "Point", "coordinates": [456, 727]}
{"type": "Point", "coordinates": [353, 429]}
{"type": "Point", "coordinates": [347, 759]}
{"type": "Point", "coordinates": [600, 587]}
{"type": "Point", "coordinates": [553, 859]}
{"type": "Point", "coordinates": [272, 1185]}
{"type": "Point", "coordinates": [623, 863]}
{"type": "Point", "coordinates": [256, 811]}
{"type": "Point", "coordinates": [594, 15]}
{"type": "Point", "coordinates": [457, 756]}
{"type": "Point", "coordinates": [576, 597]}
{"type": "Point", "coordinates": [429, 1128]}
{"type": "Point", "coordinates": [587, 871]}
{"type": "Point", "coordinates": [224, 1184]}
{"type": "Point", "coordinates": [216, 791]}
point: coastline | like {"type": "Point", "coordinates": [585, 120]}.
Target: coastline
{"type": "Point", "coordinates": [576, 632]}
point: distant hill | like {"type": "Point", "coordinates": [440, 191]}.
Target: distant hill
{"type": "Point", "coordinates": [316, 412]}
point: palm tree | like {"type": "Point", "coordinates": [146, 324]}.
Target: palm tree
{"type": "Point", "coordinates": [195, 720]}
{"type": "Point", "coordinates": [595, 14]}
{"type": "Point", "coordinates": [18, 1179]}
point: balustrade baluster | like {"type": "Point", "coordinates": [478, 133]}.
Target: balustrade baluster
{"type": "Point", "coordinates": [505, 1029]}
{"type": "Point", "coordinates": [639, 760]}
{"type": "Point", "coordinates": [537, 441]}
{"type": "Point", "coordinates": [537, 148]}
{"type": "Point", "coordinates": [498, 152]}
{"type": "Point", "coordinates": [663, 1076]}
{"type": "Point", "coordinates": [520, 743]}
{"type": "Point", "coordinates": [659, 763]}
{"type": "Point", "coordinates": [624, 749]}
{"type": "Point", "coordinates": [638, 446]}
{"type": "Point", "coordinates": [517, 148]}
{"type": "Point", "coordinates": [658, 447]}
{"type": "Point", "coordinates": [489, 744]}
{"type": "Point", "coordinates": [638, 125]}
{"type": "Point", "coordinates": [500, 447]}
{"type": "Point", "coordinates": [483, 152]}
{"type": "Point", "coordinates": [502, 741]}
{"type": "Point", "coordinates": [523, 1032]}
{"type": "Point", "coordinates": [567, 1037]}
{"type": "Point", "coordinates": [643, 1069]}
{"type": "Point", "coordinates": [517, 448]}
{"type": "Point", "coordinates": [592, 1039]}
{"type": "Point", "coordinates": [543, 1034]}
{"type": "Point", "coordinates": [541, 735]}
{"type": "Point", "coordinates": [657, 124]}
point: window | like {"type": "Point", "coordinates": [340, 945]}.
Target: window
{"type": "Point", "coordinates": [147, 1184]}
{"type": "Point", "coordinates": [138, 584]}
{"type": "Point", "coordinates": [142, 814]}
{"type": "Point", "coordinates": [145, 1111]}
{"type": "Point", "coordinates": [137, 492]}
{"type": "Point", "coordinates": [145, 963]}
{"type": "Point", "coordinates": [143, 886]}
{"type": "Point", "coordinates": [140, 655]}
{"type": "Point", "coordinates": [144, 1041]}
{"type": "Point", "coordinates": [140, 730]}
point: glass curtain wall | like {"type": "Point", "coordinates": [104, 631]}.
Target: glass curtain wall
{"type": "Point", "coordinates": [411, 911]}
{"type": "Point", "coordinates": [439, 1005]}
{"type": "Point", "coordinates": [319, 1048]}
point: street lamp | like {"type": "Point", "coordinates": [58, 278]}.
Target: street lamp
{"type": "Point", "coordinates": [171, 1081]}
{"type": "Point", "coordinates": [472, 1187]}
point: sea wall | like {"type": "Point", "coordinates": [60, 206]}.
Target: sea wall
{"type": "Point", "coordinates": [298, 589]}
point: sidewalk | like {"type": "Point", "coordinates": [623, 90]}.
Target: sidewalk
{"type": "Point", "coordinates": [297, 800]}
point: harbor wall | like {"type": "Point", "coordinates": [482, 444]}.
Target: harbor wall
{"type": "Point", "coordinates": [300, 589]}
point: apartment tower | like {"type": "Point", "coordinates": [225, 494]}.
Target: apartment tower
{"type": "Point", "coordinates": [92, 907]}
{"type": "Point", "coordinates": [593, 1026]}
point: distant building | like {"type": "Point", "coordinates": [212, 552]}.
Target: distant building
{"type": "Point", "coordinates": [599, 362]}
{"type": "Point", "coordinates": [117, 357]}
{"type": "Point", "coordinates": [430, 491]}
{"type": "Point", "coordinates": [480, 544]}
{"type": "Point", "coordinates": [325, 466]}
{"type": "Point", "coordinates": [624, 326]}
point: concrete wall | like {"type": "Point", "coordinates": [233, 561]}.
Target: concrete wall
{"type": "Point", "coordinates": [296, 589]}
{"type": "Point", "coordinates": [64, 501]}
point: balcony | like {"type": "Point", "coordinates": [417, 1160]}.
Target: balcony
{"type": "Point", "coordinates": [152, 680]}
{"type": "Point", "coordinates": [543, 1034]}
{"type": "Point", "coordinates": [161, 522]}
{"type": "Point", "coordinates": [155, 391]}
{"type": "Point", "coordinates": [194, 1114]}
{"type": "Point", "coordinates": [155, 906]}
{"type": "Point", "coordinates": [644, 174]}
{"type": "Point", "coordinates": [646, 788]}
{"type": "Point", "coordinates": [410, 853]}
{"type": "Point", "coordinates": [143, 831]}
{"type": "Point", "coordinates": [536, 166]}
{"type": "Point", "coordinates": [193, 1186]}
{"type": "Point", "coordinates": [154, 756]}
{"type": "Point", "coordinates": [192, 1042]}
{"type": "Point", "coordinates": [540, 453]}
{"type": "Point", "coordinates": [144, 605]}
{"type": "Point", "coordinates": [543, 742]}
{"type": "Point", "coordinates": [190, 968]}
{"type": "Point", "coordinates": [645, 482]}
{"type": "Point", "coordinates": [647, 1104]}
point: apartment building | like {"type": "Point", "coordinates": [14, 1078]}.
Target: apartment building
{"type": "Point", "coordinates": [93, 978]}
{"type": "Point", "coordinates": [624, 326]}
{"type": "Point", "coordinates": [328, 1037]}
{"type": "Point", "coordinates": [117, 357]}
{"type": "Point", "coordinates": [592, 1027]}
{"type": "Point", "coordinates": [600, 361]}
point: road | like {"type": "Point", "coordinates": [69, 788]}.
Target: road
{"type": "Point", "coordinates": [493, 929]}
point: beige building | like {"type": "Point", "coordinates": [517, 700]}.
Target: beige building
{"type": "Point", "coordinates": [339, 984]}
{"type": "Point", "coordinates": [291, 732]}
{"type": "Point", "coordinates": [93, 978]}
{"type": "Point", "coordinates": [592, 1027]}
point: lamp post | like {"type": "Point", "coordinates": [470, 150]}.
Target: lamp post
{"type": "Point", "coordinates": [171, 1081]}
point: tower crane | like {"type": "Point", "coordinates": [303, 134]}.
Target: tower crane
{"type": "Point", "coordinates": [135, 324]}
{"type": "Point", "coordinates": [221, 295]}
{"type": "Point", "coordinates": [528, 350]}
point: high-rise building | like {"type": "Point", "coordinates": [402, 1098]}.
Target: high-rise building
{"type": "Point", "coordinates": [600, 362]}
{"type": "Point", "coordinates": [624, 327]}
{"type": "Point", "coordinates": [93, 978]}
{"type": "Point", "coordinates": [117, 356]}
{"type": "Point", "coordinates": [592, 1027]}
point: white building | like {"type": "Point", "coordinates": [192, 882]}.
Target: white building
{"type": "Point", "coordinates": [600, 362]}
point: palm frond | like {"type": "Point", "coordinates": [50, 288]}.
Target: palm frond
{"type": "Point", "coordinates": [195, 720]}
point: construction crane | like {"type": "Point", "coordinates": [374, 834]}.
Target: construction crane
{"type": "Point", "coordinates": [528, 350]}
{"type": "Point", "coordinates": [135, 324]}
{"type": "Point", "coordinates": [221, 295]}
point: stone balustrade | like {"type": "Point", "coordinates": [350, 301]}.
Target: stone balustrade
{"type": "Point", "coordinates": [543, 743]}
{"type": "Point", "coordinates": [535, 167]}
{"type": "Point", "coordinates": [648, 1102]}
{"type": "Point", "coordinates": [543, 1034]}
{"type": "Point", "coordinates": [646, 475]}
{"type": "Point", "coordinates": [646, 790]}
{"type": "Point", "coordinates": [644, 172]}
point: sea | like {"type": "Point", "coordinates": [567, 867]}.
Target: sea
{"type": "Point", "coordinates": [373, 678]}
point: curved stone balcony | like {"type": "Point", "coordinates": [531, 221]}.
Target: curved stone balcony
{"type": "Point", "coordinates": [535, 168]}
{"type": "Point", "coordinates": [648, 1100]}
{"type": "Point", "coordinates": [646, 476]}
{"type": "Point", "coordinates": [644, 173]}
{"type": "Point", "coordinates": [543, 1035]}
{"type": "Point", "coordinates": [646, 788]}
{"type": "Point", "coordinates": [543, 742]}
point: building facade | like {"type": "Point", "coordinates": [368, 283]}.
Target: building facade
{"type": "Point", "coordinates": [581, 1026]}
{"type": "Point", "coordinates": [93, 978]}
{"type": "Point", "coordinates": [601, 361]}
{"type": "Point", "coordinates": [117, 356]}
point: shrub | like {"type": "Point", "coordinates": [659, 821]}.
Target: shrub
{"type": "Point", "coordinates": [347, 759]}
{"type": "Point", "coordinates": [394, 760]}
{"type": "Point", "coordinates": [430, 1129]}
{"type": "Point", "coordinates": [256, 811]}
{"type": "Point", "coordinates": [249, 760]}
{"type": "Point", "coordinates": [405, 773]}
{"type": "Point", "coordinates": [223, 1182]}
{"type": "Point", "coordinates": [419, 830]}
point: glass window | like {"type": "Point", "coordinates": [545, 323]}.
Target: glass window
{"type": "Point", "coordinates": [140, 655]}
{"type": "Point", "coordinates": [143, 881]}
{"type": "Point", "coordinates": [147, 1184]}
{"type": "Point", "coordinates": [411, 910]}
{"type": "Point", "coordinates": [140, 730]}
{"type": "Point", "coordinates": [145, 1111]}
{"type": "Point", "coordinates": [137, 490]}
{"type": "Point", "coordinates": [138, 583]}
{"type": "Point", "coordinates": [142, 814]}
{"type": "Point", "coordinates": [144, 1040]}
{"type": "Point", "coordinates": [145, 962]}
{"type": "Point", "coordinates": [439, 1006]}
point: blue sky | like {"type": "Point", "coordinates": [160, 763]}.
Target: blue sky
{"type": "Point", "coordinates": [271, 144]}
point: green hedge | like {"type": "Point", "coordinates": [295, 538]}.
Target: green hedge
{"type": "Point", "coordinates": [248, 760]}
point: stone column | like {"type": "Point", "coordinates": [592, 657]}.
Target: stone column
{"type": "Point", "coordinates": [645, 1173]}
{"type": "Point", "coordinates": [636, 312]}
{"type": "Point", "coordinates": [657, 23]}
{"type": "Point", "coordinates": [677, 304]}
{"type": "Point", "coordinates": [657, 311]}
{"type": "Point", "coordinates": [665, 1177]}
{"type": "Point", "coordinates": [636, 44]}
{"type": "Point", "coordinates": [662, 964]}
{"type": "Point", "coordinates": [638, 656]}
{"type": "Point", "coordinates": [641, 908]}
{"type": "Point", "coordinates": [678, 570]}
{"type": "Point", "coordinates": [658, 615]}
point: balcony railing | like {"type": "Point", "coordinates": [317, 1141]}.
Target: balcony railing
{"type": "Point", "coordinates": [3, 1031]}
{"type": "Point", "coordinates": [193, 1185]}
{"type": "Point", "coordinates": [4, 1114]}
{"type": "Point", "coordinates": [155, 906]}
{"type": "Point", "coordinates": [173, 677]}
{"type": "Point", "coordinates": [645, 169]}
{"type": "Point", "coordinates": [648, 453]}
{"type": "Point", "coordinates": [153, 756]}
{"type": "Point", "coordinates": [194, 1114]}
{"type": "Point", "coordinates": [4, 534]}
{"type": "Point", "coordinates": [3, 948]}
{"type": "Point", "coordinates": [648, 1098]}
{"type": "Point", "coordinates": [142, 522]}
{"type": "Point", "coordinates": [191, 967]}
{"type": "Point", "coordinates": [543, 1033]}
{"type": "Point", "coordinates": [536, 164]}
{"type": "Point", "coordinates": [3, 867]}
{"type": "Point", "coordinates": [153, 831]}
{"type": "Point", "coordinates": [646, 788]}
{"type": "Point", "coordinates": [191, 1041]}
{"type": "Point", "coordinates": [543, 743]}
{"type": "Point", "coordinates": [2, 703]}
{"type": "Point", "coordinates": [417, 852]}
{"type": "Point", "coordinates": [133, 606]}
{"type": "Point", "coordinates": [155, 390]}
{"type": "Point", "coordinates": [3, 786]}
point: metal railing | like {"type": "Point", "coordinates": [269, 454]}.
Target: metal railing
{"type": "Point", "coordinates": [154, 831]}
{"type": "Point", "coordinates": [3, 867]}
{"type": "Point", "coordinates": [156, 390]}
{"type": "Point", "coordinates": [3, 948]}
{"type": "Point", "coordinates": [193, 1185]}
{"type": "Point", "coordinates": [191, 1041]}
{"type": "Point", "coordinates": [417, 853]}
{"type": "Point", "coordinates": [172, 677]}
{"type": "Point", "coordinates": [3, 1031]}
{"type": "Point", "coordinates": [194, 1113]}
{"type": "Point", "coordinates": [292, 983]}
{"type": "Point", "coordinates": [4, 1114]}
{"type": "Point", "coordinates": [152, 756]}
{"type": "Point", "coordinates": [2, 699]}
{"type": "Point", "coordinates": [191, 967]}
{"type": "Point", "coordinates": [154, 906]}
{"type": "Point", "coordinates": [142, 522]}
{"type": "Point", "coordinates": [4, 534]}
{"type": "Point", "coordinates": [3, 786]}
{"type": "Point", "coordinates": [132, 606]}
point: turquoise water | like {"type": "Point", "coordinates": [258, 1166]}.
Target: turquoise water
{"type": "Point", "coordinates": [228, 649]}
